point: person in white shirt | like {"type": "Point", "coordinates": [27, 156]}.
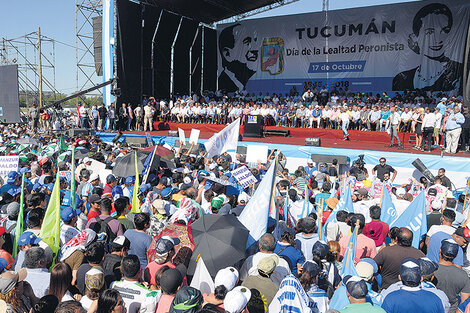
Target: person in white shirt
{"type": "Point", "coordinates": [68, 229]}
{"type": "Point", "coordinates": [447, 218]}
{"type": "Point", "coordinates": [437, 126]}
{"type": "Point", "coordinates": [406, 120]}
{"type": "Point", "coordinates": [308, 96]}
{"type": "Point", "coordinates": [325, 117]}
{"type": "Point", "coordinates": [344, 118]}
{"type": "Point", "coordinates": [428, 129]}
{"type": "Point", "coordinates": [267, 243]}
{"type": "Point", "coordinates": [395, 121]}
{"type": "Point", "coordinates": [174, 114]}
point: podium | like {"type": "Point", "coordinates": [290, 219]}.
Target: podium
{"type": "Point", "coordinates": [253, 126]}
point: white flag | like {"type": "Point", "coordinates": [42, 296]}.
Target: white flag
{"type": "Point", "coordinates": [255, 214]}
{"type": "Point", "coordinates": [226, 139]}
{"type": "Point", "coordinates": [202, 280]}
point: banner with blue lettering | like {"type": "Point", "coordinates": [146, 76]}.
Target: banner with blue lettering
{"type": "Point", "coordinates": [360, 49]}
{"type": "Point", "coordinates": [292, 298]}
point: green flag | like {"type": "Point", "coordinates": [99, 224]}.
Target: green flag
{"type": "Point", "coordinates": [73, 188]}
{"type": "Point", "coordinates": [19, 221]}
{"type": "Point", "coordinates": [135, 194]}
{"type": "Point", "coordinates": [50, 229]}
{"type": "Point", "coordinates": [62, 145]}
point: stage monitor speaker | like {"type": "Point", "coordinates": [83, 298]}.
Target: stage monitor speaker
{"type": "Point", "coordinates": [173, 133]}
{"type": "Point", "coordinates": [137, 141]}
{"type": "Point", "coordinates": [81, 131]}
{"type": "Point", "coordinates": [253, 126]}
{"type": "Point", "coordinates": [313, 141]}
{"type": "Point", "coordinates": [423, 169]}
{"type": "Point", "coordinates": [324, 158]}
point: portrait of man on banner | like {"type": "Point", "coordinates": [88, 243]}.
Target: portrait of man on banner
{"type": "Point", "coordinates": [239, 54]}
{"type": "Point", "coordinates": [431, 27]}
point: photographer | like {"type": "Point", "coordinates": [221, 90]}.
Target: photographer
{"type": "Point", "coordinates": [359, 171]}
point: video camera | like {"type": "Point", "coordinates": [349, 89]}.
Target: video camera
{"type": "Point", "coordinates": [360, 162]}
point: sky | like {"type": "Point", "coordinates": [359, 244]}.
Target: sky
{"type": "Point", "coordinates": [56, 18]}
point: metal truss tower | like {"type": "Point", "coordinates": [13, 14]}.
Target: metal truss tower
{"type": "Point", "coordinates": [24, 52]}
{"type": "Point", "coordinates": [85, 11]}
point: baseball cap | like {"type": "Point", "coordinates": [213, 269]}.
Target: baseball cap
{"type": "Point", "coordinates": [312, 268]}
{"type": "Point", "coordinates": [463, 232]}
{"type": "Point", "coordinates": [363, 192]}
{"type": "Point", "coordinates": [165, 244]}
{"type": "Point", "coordinates": [237, 299]}
{"type": "Point", "coordinates": [444, 99]}
{"type": "Point", "coordinates": [449, 247]}
{"type": "Point", "coordinates": [165, 181]}
{"type": "Point", "coordinates": [86, 160]}
{"type": "Point", "coordinates": [373, 263]}
{"type": "Point", "coordinates": [129, 180]}
{"type": "Point", "coordinates": [307, 224]}
{"type": "Point", "coordinates": [427, 266]}
{"type": "Point", "coordinates": [268, 264]}
{"type": "Point", "coordinates": [410, 271]}
{"type": "Point", "coordinates": [24, 170]}
{"type": "Point", "coordinates": [436, 205]}
{"type": "Point", "coordinates": [50, 186]}
{"type": "Point", "coordinates": [355, 286]}
{"type": "Point", "coordinates": [365, 270]}
{"type": "Point", "coordinates": [67, 213]}
{"type": "Point", "coordinates": [309, 161]}
{"type": "Point", "coordinates": [94, 176]}
{"type": "Point", "coordinates": [432, 192]}
{"type": "Point", "coordinates": [166, 192]}
{"type": "Point", "coordinates": [185, 186]}
{"type": "Point", "coordinates": [94, 278]}
{"type": "Point", "coordinates": [186, 299]}
{"type": "Point", "coordinates": [159, 205]}
{"type": "Point", "coordinates": [12, 177]}
{"type": "Point", "coordinates": [144, 187]}
{"type": "Point", "coordinates": [400, 192]}
{"type": "Point", "coordinates": [28, 238]}
{"type": "Point", "coordinates": [94, 198]}
{"type": "Point", "coordinates": [320, 248]}
{"type": "Point", "coordinates": [227, 276]}
{"type": "Point", "coordinates": [13, 208]}
{"type": "Point", "coordinates": [9, 280]}
{"type": "Point", "coordinates": [121, 241]}
{"type": "Point", "coordinates": [110, 178]}
{"type": "Point", "coordinates": [3, 265]}
{"type": "Point", "coordinates": [16, 191]}
{"type": "Point", "coordinates": [170, 280]}
{"type": "Point", "coordinates": [243, 197]}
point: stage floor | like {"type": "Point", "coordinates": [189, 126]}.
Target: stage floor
{"type": "Point", "coordinates": [331, 138]}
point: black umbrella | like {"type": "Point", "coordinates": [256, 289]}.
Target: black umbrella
{"type": "Point", "coordinates": [125, 166]}
{"type": "Point", "coordinates": [81, 153]}
{"type": "Point", "coordinates": [220, 240]}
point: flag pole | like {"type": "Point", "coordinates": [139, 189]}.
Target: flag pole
{"type": "Point", "coordinates": [465, 203]}
{"type": "Point", "coordinates": [271, 197]}
{"type": "Point", "coordinates": [382, 196]}
{"type": "Point", "coordinates": [19, 220]}
{"type": "Point", "coordinates": [320, 217]}
{"type": "Point", "coordinates": [356, 230]}
{"type": "Point", "coordinates": [73, 187]}
{"type": "Point", "coordinates": [150, 165]}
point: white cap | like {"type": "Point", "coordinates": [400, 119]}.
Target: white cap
{"type": "Point", "coordinates": [400, 192]}
{"type": "Point", "coordinates": [86, 160]}
{"type": "Point", "coordinates": [94, 176]}
{"type": "Point", "coordinates": [243, 197]}
{"type": "Point", "coordinates": [212, 166]}
{"type": "Point", "coordinates": [237, 299]}
{"type": "Point", "coordinates": [309, 161]}
{"type": "Point", "coordinates": [436, 204]}
{"type": "Point", "coordinates": [228, 277]}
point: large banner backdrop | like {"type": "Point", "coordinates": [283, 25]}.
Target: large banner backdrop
{"type": "Point", "coordinates": [417, 45]}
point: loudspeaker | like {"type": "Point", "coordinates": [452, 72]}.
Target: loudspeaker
{"type": "Point", "coordinates": [423, 169]}
{"type": "Point", "coordinates": [81, 131]}
{"type": "Point", "coordinates": [253, 126]}
{"type": "Point", "coordinates": [173, 133]}
{"type": "Point", "coordinates": [137, 141]}
{"type": "Point", "coordinates": [324, 158]}
{"type": "Point", "coordinates": [313, 141]}
{"type": "Point", "coordinates": [97, 44]}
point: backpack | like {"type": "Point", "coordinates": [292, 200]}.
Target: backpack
{"type": "Point", "coordinates": [105, 228]}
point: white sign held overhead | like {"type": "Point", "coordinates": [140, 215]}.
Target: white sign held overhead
{"type": "Point", "coordinates": [244, 177]}
{"type": "Point", "coordinates": [256, 153]}
{"type": "Point", "coordinates": [182, 137]}
{"type": "Point", "coordinates": [193, 138]}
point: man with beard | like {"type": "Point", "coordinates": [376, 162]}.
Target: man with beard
{"type": "Point", "coordinates": [239, 53]}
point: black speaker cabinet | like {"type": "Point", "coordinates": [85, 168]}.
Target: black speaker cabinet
{"type": "Point", "coordinates": [253, 126]}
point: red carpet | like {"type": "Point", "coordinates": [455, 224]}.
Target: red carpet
{"type": "Point", "coordinates": [332, 138]}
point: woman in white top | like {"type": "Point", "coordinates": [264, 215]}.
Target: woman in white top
{"type": "Point", "coordinates": [61, 280]}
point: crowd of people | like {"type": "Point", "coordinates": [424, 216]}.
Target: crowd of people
{"type": "Point", "coordinates": [437, 120]}
{"type": "Point", "coordinates": [116, 253]}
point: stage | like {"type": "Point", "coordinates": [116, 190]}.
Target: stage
{"type": "Point", "coordinates": [373, 145]}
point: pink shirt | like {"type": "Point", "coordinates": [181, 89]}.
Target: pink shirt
{"type": "Point", "coordinates": [164, 303]}
{"type": "Point", "coordinates": [365, 247]}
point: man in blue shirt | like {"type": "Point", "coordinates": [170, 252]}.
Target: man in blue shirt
{"type": "Point", "coordinates": [309, 169]}
{"type": "Point", "coordinates": [453, 128]}
{"type": "Point", "coordinates": [416, 298]}
{"type": "Point", "coordinates": [434, 245]}
{"type": "Point", "coordinates": [442, 106]}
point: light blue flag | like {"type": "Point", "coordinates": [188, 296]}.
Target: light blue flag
{"type": "Point", "coordinates": [348, 260]}
{"type": "Point", "coordinates": [345, 203]}
{"type": "Point", "coordinates": [388, 211]}
{"type": "Point", "coordinates": [414, 218]}
{"type": "Point", "coordinates": [255, 215]}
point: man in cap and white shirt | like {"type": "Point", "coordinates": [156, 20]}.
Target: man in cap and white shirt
{"type": "Point", "coordinates": [267, 243]}
{"type": "Point", "coordinates": [93, 182]}
{"type": "Point", "coordinates": [417, 298]}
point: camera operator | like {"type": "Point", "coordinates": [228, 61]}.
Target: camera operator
{"type": "Point", "coordinates": [358, 170]}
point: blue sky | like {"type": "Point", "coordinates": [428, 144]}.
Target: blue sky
{"type": "Point", "coordinates": [57, 20]}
